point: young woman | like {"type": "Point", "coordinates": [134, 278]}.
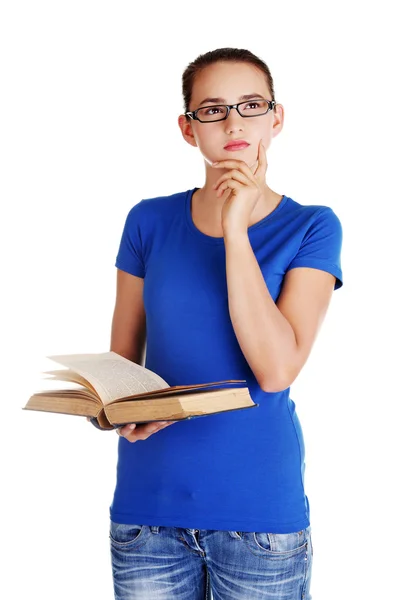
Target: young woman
{"type": "Point", "coordinates": [228, 281]}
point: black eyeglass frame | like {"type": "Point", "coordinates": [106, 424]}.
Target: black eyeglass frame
{"type": "Point", "coordinates": [193, 114]}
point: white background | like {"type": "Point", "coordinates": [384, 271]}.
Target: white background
{"type": "Point", "coordinates": [76, 155]}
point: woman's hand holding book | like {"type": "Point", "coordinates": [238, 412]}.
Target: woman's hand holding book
{"type": "Point", "coordinates": [134, 433]}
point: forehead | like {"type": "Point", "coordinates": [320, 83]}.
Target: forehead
{"type": "Point", "coordinates": [228, 81]}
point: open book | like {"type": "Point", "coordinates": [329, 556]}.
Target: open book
{"type": "Point", "coordinates": [114, 391]}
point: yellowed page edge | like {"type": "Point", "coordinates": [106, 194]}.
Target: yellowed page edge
{"type": "Point", "coordinates": [112, 376]}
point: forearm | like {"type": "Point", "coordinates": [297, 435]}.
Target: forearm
{"type": "Point", "coordinates": [266, 338]}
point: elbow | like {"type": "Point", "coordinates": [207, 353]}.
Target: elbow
{"type": "Point", "coordinates": [277, 383]}
{"type": "Point", "coordinates": [274, 386]}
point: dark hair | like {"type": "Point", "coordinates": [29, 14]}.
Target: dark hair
{"type": "Point", "coordinates": [221, 54]}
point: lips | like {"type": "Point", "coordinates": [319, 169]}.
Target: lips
{"type": "Point", "coordinates": [236, 145]}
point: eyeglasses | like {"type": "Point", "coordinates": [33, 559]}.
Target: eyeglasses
{"type": "Point", "coordinates": [220, 112]}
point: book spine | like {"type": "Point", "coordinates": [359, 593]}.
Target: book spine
{"type": "Point", "coordinates": [95, 422]}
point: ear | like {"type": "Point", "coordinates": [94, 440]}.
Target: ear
{"type": "Point", "coordinates": [279, 117]}
{"type": "Point", "coordinates": [187, 130]}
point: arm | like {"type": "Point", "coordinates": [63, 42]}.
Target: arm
{"type": "Point", "coordinates": [128, 330]}
{"type": "Point", "coordinates": [128, 338]}
{"type": "Point", "coordinates": [276, 339]}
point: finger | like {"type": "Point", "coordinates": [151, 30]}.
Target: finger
{"type": "Point", "coordinates": [230, 184]}
{"type": "Point", "coordinates": [126, 429]}
{"type": "Point", "coordinates": [144, 428]}
{"type": "Point", "coordinates": [262, 162]}
{"type": "Point", "coordinates": [235, 164]}
{"type": "Point", "coordinates": [234, 174]}
{"type": "Point", "coordinates": [139, 430]}
{"type": "Point", "coordinates": [152, 427]}
{"type": "Point", "coordinates": [143, 432]}
{"type": "Point", "coordinates": [224, 191]}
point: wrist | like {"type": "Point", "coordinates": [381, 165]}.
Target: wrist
{"type": "Point", "coordinates": [235, 235]}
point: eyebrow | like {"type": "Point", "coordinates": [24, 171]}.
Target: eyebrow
{"type": "Point", "coordinates": [223, 101]}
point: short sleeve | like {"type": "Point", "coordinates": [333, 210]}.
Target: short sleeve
{"type": "Point", "coordinates": [321, 246]}
{"type": "Point", "coordinates": [130, 253]}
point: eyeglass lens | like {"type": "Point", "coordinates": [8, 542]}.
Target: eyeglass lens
{"type": "Point", "coordinates": [247, 109]}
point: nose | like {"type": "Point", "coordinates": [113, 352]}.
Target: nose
{"type": "Point", "coordinates": [234, 121]}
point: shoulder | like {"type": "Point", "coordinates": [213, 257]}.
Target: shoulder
{"type": "Point", "coordinates": [150, 220]}
{"type": "Point", "coordinates": [313, 220]}
{"type": "Point", "coordinates": [158, 205]}
{"type": "Point", "coordinates": [312, 213]}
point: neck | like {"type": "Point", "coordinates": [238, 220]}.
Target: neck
{"type": "Point", "coordinates": [208, 203]}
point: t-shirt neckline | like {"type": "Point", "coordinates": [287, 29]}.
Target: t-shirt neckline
{"type": "Point", "coordinates": [220, 240]}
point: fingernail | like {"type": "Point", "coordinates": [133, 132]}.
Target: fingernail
{"type": "Point", "coordinates": [132, 426]}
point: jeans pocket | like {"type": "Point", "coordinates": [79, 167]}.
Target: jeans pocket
{"type": "Point", "coordinates": [122, 534]}
{"type": "Point", "coordinates": [284, 545]}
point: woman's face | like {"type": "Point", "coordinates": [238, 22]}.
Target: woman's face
{"type": "Point", "coordinates": [230, 81]}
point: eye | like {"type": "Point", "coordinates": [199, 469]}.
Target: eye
{"type": "Point", "coordinates": [254, 104]}
{"type": "Point", "coordinates": [212, 108]}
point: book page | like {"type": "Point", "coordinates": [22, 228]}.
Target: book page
{"type": "Point", "coordinates": [112, 375]}
{"type": "Point", "coordinates": [67, 375]}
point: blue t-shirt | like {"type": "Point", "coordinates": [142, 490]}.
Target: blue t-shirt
{"type": "Point", "coordinates": [241, 470]}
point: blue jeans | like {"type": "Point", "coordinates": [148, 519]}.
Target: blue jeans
{"type": "Point", "coordinates": [172, 563]}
